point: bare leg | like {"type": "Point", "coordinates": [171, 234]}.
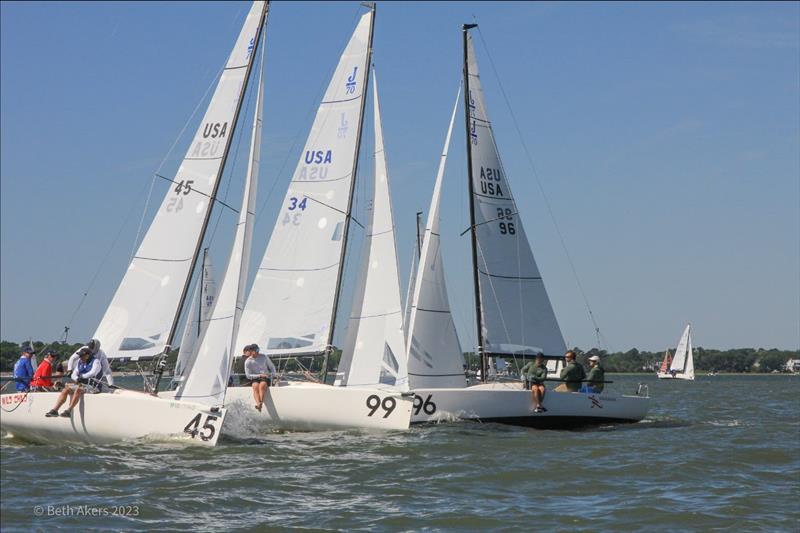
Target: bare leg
{"type": "Point", "coordinates": [76, 397]}
{"type": "Point", "coordinates": [255, 394]}
{"type": "Point", "coordinates": [534, 397]}
{"type": "Point", "coordinates": [63, 397]}
{"type": "Point", "coordinates": [262, 390]}
{"type": "Point", "coordinates": [538, 395]}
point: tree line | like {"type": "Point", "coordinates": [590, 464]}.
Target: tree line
{"type": "Point", "coordinates": [740, 360]}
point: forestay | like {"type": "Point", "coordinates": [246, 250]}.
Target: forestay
{"type": "Point", "coordinates": [199, 313]}
{"type": "Point", "coordinates": [434, 352]}
{"type": "Point", "coordinates": [143, 312]}
{"type": "Point", "coordinates": [374, 353]}
{"type": "Point", "coordinates": [208, 378]}
{"type": "Point", "coordinates": [290, 307]}
{"type": "Point", "coordinates": [516, 315]}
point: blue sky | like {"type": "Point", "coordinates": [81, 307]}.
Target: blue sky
{"type": "Point", "coordinates": [666, 136]}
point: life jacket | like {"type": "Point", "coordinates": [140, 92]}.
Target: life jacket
{"type": "Point", "coordinates": [87, 366]}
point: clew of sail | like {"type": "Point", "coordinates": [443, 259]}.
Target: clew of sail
{"type": "Point", "coordinates": [434, 352]}
{"type": "Point", "coordinates": [207, 381]}
{"type": "Point", "coordinates": [516, 315]}
{"type": "Point", "coordinates": [290, 308]}
{"type": "Point", "coordinates": [143, 313]}
{"type": "Point", "coordinates": [374, 353]}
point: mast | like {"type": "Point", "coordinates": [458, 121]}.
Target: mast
{"type": "Point", "coordinates": [352, 191]}
{"type": "Point", "coordinates": [479, 324]}
{"type": "Point", "coordinates": [202, 296]}
{"type": "Point", "coordinates": [221, 169]}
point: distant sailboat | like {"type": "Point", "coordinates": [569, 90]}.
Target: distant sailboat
{"type": "Point", "coordinates": [682, 364]}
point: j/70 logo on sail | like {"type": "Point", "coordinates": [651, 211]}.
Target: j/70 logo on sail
{"type": "Point", "coordinates": [350, 86]}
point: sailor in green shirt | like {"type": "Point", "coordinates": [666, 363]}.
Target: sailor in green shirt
{"type": "Point", "coordinates": [535, 373]}
{"type": "Point", "coordinates": [596, 377]}
{"type": "Point", "coordinates": [572, 375]}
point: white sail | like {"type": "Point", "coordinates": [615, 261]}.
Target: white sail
{"type": "Point", "coordinates": [516, 314]}
{"type": "Point", "coordinates": [375, 351]}
{"type": "Point", "coordinates": [142, 314]}
{"type": "Point", "coordinates": [208, 379]}
{"type": "Point", "coordinates": [434, 352]}
{"type": "Point", "coordinates": [199, 313]}
{"type": "Point", "coordinates": [689, 373]}
{"type": "Point", "coordinates": [290, 308]}
{"type": "Point", "coordinates": [680, 359]}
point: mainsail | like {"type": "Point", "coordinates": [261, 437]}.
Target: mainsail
{"type": "Point", "coordinates": [203, 301]}
{"type": "Point", "coordinates": [208, 378]}
{"type": "Point", "coordinates": [292, 303]}
{"type": "Point", "coordinates": [515, 316]}
{"type": "Point", "coordinates": [434, 353]}
{"type": "Point", "coordinates": [375, 352]}
{"type": "Point", "coordinates": [141, 319]}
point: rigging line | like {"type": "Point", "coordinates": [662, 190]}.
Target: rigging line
{"type": "Point", "coordinates": [541, 189]}
{"type": "Point", "coordinates": [166, 156]}
{"type": "Point", "coordinates": [217, 200]}
{"type": "Point", "coordinates": [494, 294]}
{"type": "Point", "coordinates": [335, 209]}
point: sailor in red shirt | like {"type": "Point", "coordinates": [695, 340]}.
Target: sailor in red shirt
{"type": "Point", "coordinates": [41, 378]}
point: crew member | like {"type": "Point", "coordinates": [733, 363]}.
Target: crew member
{"type": "Point", "coordinates": [94, 346]}
{"type": "Point", "coordinates": [41, 378]}
{"type": "Point", "coordinates": [572, 375]}
{"type": "Point", "coordinates": [23, 370]}
{"type": "Point", "coordinates": [258, 368]}
{"type": "Point", "coordinates": [87, 372]}
{"type": "Point", "coordinates": [595, 380]}
{"type": "Point", "coordinates": [535, 373]}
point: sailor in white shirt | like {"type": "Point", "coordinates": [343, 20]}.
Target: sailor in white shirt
{"type": "Point", "coordinates": [88, 368]}
{"type": "Point", "coordinates": [258, 369]}
{"type": "Point", "coordinates": [94, 347]}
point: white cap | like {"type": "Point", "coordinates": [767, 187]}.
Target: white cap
{"type": "Point", "coordinates": [594, 358]}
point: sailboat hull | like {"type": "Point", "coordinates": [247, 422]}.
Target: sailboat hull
{"type": "Point", "coordinates": [109, 418]}
{"type": "Point", "coordinates": [676, 376]}
{"type": "Point", "coordinates": [302, 406]}
{"type": "Point", "coordinates": [509, 403]}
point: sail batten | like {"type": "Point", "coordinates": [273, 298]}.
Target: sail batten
{"type": "Point", "coordinates": [291, 305]}
{"type": "Point", "coordinates": [142, 317]}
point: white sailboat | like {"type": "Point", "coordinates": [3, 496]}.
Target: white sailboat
{"type": "Point", "coordinates": [141, 321]}
{"type": "Point", "coordinates": [514, 316]}
{"type": "Point", "coordinates": [291, 308]}
{"type": "Point", "coordinates": [682, 364]}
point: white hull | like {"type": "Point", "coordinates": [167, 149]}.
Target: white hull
{"type": "Point", "coordinates": [108, 418]}
{"type": "Point", "coordinates": [303, 406]}
{"type": "Point", "coordinates": [676, 376]}
{"type": "Point", "coordinates": [509, 403]}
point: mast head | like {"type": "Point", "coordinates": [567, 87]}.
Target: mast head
{"type": "Point", "coordinates": [466, 27]}
{"type": "Point", "coordinates": [369, 5]}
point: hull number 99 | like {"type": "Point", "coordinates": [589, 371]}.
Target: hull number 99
{"type": "Point", "coordinates": [387, 405]}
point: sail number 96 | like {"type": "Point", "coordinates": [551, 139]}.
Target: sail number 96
{"type": "Point", "coordinates": [374, 403]}
{"type": "Point", "coordinates": [506, 228]}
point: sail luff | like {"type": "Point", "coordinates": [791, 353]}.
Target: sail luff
{"type": "Point", "coordinates": [468, 111]}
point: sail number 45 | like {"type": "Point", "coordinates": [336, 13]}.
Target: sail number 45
{"type": "Point", "coordinates": [206, 432]}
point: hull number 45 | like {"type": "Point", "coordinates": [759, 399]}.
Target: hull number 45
{"type": "Point", "coordinates": [206, 432]}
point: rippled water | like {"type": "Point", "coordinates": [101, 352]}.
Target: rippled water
{"type": "Point", "coordinates": [721, 452]}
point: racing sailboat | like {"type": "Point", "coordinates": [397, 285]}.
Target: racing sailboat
{"type": "Point", "coordinates": [681, 366]}
{"type": "Point", "coordinates": [290, 312]}
{"type": "Point", "coordinates": [514, 316]}
{"type": "Point", "coordinates": [142, 319]}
